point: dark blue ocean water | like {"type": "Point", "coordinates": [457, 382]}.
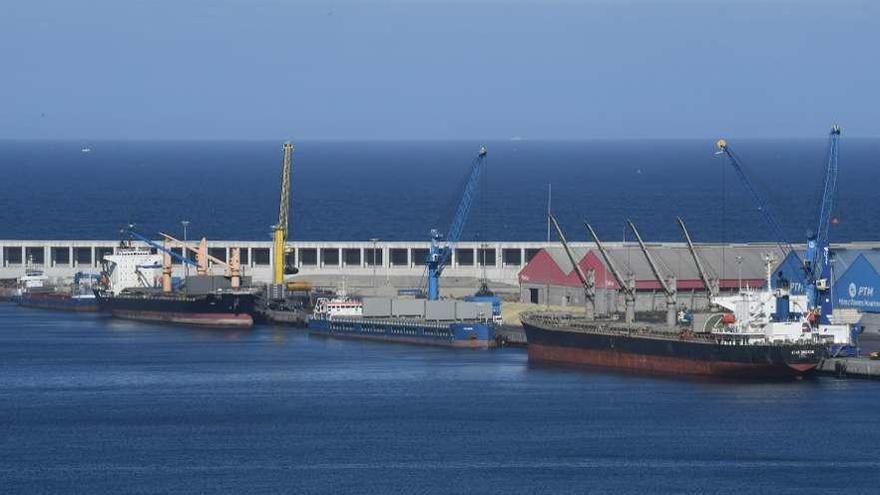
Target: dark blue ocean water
{"type": "Point", "coordinates": [93, 405]}
{"type": "Point", "coordinates": [399, 190]}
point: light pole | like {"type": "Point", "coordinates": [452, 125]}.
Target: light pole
{"type": "Point", "coordinates": [739, 276]}
{"type": "Point", "coordinates": [374, 240]}
{"type": "Point", "coordinates": [185, 251]}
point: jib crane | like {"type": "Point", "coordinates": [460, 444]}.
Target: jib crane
{"type": "Point", "coordinates": [668, 283]}
{"type": "Point", "coordinates": [280, 230]}
{"type": "Point", "coordinates": [817, 266]}
{"type": "Point", "coordinates": [711, 282]}
{"type": "Point", "coordinates": [233, 266]}
{"type": "Point", "coordinates": [627, 285]}
{"type": "Point", "coordinates": [588, 280]}
{"type": "Point", "coordinates": [818, 245]}
{"type": "Point", "coordinates": [441, 248]}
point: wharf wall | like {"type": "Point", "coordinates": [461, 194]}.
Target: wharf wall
{"type": "Point", "coordinates": [370, 262]}
{"type": "Point", "coordinates": [361, 263]}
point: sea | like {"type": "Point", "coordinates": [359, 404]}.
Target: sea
{"type": "Point", "coordinates": [94, 405]}
{"type": "Point", "coordinates": [358, 190]}
{"type": "Point", "coordinates": [90, 404]}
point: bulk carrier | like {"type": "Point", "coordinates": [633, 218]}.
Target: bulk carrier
{"type": "Point", "coordinates": [138, 286]}
{"type": "Point", "coordinates": [560, 338]}
{"type": "Point", "coordinates": [759, 338]}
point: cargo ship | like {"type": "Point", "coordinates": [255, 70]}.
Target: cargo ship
{"type": "Point", "coordinates": [443, 323]}
{"type": "Point", "coordinates": [35, 291]}
{"type": "Point", "coordinates": [567, 339]}
{"type": "Point", "coordinates": [224, 308]}
{"type": "Point", "coordinates": [137, 285]}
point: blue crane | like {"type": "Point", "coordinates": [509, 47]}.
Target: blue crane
{"type": "Point", "coordinates": [762, 205]}
{"type": "Point", "coordinates": [442, 248]}
{"type": "Point", "coordinates": [818, 245]}
{"type": "Point", "coordinates": [817, 265]}
{"type": "Point", "coordinates": [183, 259]}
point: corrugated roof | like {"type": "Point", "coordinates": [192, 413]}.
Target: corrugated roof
{"type": "Point", "coordinates": [677, 260]}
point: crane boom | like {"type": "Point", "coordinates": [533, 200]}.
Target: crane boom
{"type": "Point", "coordinates": [664, 284]}
{"type": "Point", "coordinates": [441, 249]}
{"type": "Point", "coordinates": [763, 206]}
{"type": "Point", "coordinates": [818, 255]}
{"type": "Point", "coordinates": [280, 230]}
{"type": "Point", "coordinates": [628, 288]}
{"type": "Point", "coordinates": [711, 286]}
{"type": "Point", "coordinates": [588, 282]}
{"type": "Point", "coordinates": [160, 247]}
{"type": "Point", "coordinates": [668, 286]}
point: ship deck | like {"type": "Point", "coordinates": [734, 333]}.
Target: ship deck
{"type": "Point", "coordinates": [567, 322]}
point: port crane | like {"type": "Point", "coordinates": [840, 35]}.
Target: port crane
{"type": "Point", "coordinates": [668, 283]}
{"type": "Point", "coordinates": [817, 265]}
{"type": "Point", "coordinates": [710, 281]}
{"type": "Point", "coordinates": [440, 252]}
{"type": "Point", "coordinates": [588, 280]}
{"type": "Point", "coordinates": [627, 285]}
{"type": "Point", "coordinates": [280, 230]}
{"type": "Point", "coordinates": [818, 245]}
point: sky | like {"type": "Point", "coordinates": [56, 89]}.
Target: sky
{"type": "Point", "coordinates": [416, 69]}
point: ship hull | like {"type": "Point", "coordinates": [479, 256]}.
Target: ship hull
{"type": "Point", "coordinates": [58, 302]}
{"type": "Point", "coordinates": [669, 356]}
{"type": "Point", "coordinates": [459, 335]}
{"type": "Point", "coordinates": [209, 310]}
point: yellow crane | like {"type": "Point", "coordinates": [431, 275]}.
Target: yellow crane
{"type": "Point", "coordinates": [279, 234]}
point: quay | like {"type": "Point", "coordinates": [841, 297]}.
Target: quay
{"type": "Point", "coordinates": [851, 367]}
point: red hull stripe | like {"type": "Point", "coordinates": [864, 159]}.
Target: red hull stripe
{"type": "Point", "coordinates": [201, 319]}
{"type": "Point", "coordinates": [660, 364]}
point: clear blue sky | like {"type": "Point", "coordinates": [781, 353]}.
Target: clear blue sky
{"type": "Point", "coordinates": [409, 69]}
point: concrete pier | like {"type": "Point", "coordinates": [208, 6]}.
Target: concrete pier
{"type": "Point", "coordinates": [851, 367]}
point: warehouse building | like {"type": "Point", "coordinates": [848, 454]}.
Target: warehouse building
{"type": "Point", "coordinates": [549, 277]}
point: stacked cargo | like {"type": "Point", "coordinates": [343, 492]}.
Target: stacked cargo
{"type": "Point", "coordinates": [415, 321]}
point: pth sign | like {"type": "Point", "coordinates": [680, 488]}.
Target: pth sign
{"type": "Point", "coordinates": [860, 290]}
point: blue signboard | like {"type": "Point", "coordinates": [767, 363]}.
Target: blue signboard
{"type": "Point", "coordinates": [859, 286]}
{"type": "Point", "coordinates": [792, 272]}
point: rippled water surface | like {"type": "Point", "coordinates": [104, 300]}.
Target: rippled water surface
{"type": "Point", "coordinates": [94, 405]}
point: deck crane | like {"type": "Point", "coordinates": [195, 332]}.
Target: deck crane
{"type": "Point", "coordinates": [588, 280]}
{"type": "Point", "coordinates": [627, 285]}
{"type": "Point", "coordinates": [280, 230]}
{"type": "Point", "coordinates": [817, 265]}
{"type": "Point", "coordinates": [668, 283]}
{"type": "Point", "coordinates": [233, 267]}
{"type": "Point", "coordinates": [441, 248]}
{"type": "Point", "coordinates": [711, 283]}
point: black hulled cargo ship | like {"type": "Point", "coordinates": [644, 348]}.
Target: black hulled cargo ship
{"type": "Point", "coordinates": [137, 285]}
{"type": "Point", "coordinates": [567, 339]}
{"type": "Point", "coordinates": [224, 308]}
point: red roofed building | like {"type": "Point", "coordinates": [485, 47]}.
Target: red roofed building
{"type": "Point", "coordinates": [550, 275]}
